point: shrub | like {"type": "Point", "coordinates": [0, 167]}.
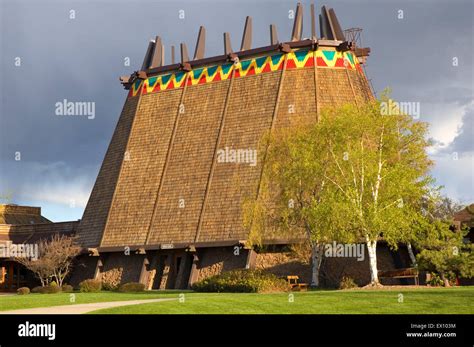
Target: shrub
{"type": "Point", "coordinates": [241, 281]}
{"type": "Point", "coordinates": [109, 286]}
{"type": "Point", "coordinates": [434, 280]}
{"type": "Point", "coordinates": [37, 289]}
{"type": "Point", "coordinates": [51, 289]}
{"type": "Point", "coordinates": [89, 286]}
{"type": "Point", "coordinates": [66, 288]}
{"type": "Point", "coordinates": [53, 284]}
{"type": "Point", "coordinates": [46, 289]}
{"type": "Point", "coordinates": [23, 291]}
{"type": "Point", "coordinates": [132, 287]}
{"type": "Point", "coordinates": [347, 283]}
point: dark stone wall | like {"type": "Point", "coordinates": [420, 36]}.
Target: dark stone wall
{"type": "Point", "coordinates": [83, 268]}
{"type": "Point", "coordinates": [119, 268]}
{"type": "Point", "coordinates": [283, 264]}
{"type": "Point", "coordinates": [333, 269]}
{"type": "Point", "coordinates": [213, 261]}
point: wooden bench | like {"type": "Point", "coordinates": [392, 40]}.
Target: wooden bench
{"type": "Point", "coordinates": [293, 282]}
{"type": "Point", "coordinates": [410, 272]}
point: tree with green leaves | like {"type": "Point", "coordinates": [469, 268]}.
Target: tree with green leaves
{"type": "Point", "coordinates": [443, 248]}
{"type": "Point", "coordinates": [290, 195]}
{"type": "Point", "coordinates": [357, 175]}
{"type": "Point", "coordinates": [445, 252]}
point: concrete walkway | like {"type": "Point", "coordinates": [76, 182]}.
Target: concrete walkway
{"type": "Point", "coordinates": [81, 308]}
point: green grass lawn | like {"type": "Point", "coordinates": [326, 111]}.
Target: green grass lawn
{"type": "Point", "coordinates": [418, 301]}
{"type": "Point", "coordinates": [15, 302]}
{"type": "Point", "coordinates": [459, 300]}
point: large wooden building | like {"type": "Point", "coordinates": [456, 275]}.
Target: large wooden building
{"type": "Point", "coordinates": [164, 210]}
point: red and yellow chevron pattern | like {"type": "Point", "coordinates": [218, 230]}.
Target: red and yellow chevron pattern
{"type": "Point", "coordinates": [294, 60]}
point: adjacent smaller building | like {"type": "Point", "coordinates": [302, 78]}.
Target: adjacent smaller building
{"type": "Point", "coordinates": [465, 219]}
{"type": "Point", "coordinates": [21, 226]}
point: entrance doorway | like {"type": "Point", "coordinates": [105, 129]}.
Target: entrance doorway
{"type": "Point", "coordinates": [170, 270]}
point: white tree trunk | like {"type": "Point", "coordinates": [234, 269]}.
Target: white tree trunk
{"type": "Point", "coordinates": [316, 259]}
{"type": "Point", "coordinates": [412, 255]}
{"type": "Point", "coordinates": [372, 250]}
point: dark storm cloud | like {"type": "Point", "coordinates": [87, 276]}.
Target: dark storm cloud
{"type": "Point", "coordinates": [80, 60]}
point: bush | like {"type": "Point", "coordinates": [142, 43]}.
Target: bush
{"type": "Point", "coordinates": [132, 287]}
{"type": "Point", "coordinates": [37, 289]}
{"type": "Point", "coordinates": [46, 289]}
{"type": "Point", "coordinates": [66, 288]}
{"type": "Point", "coordinates": [23, 291]}
{"type": "Point", "coordinates": [347, 283]}
{"type": "Point", "coordinates": [435, 280]}
{"type": "Point", "coordinates": [51, 289]}
{"type": "Point", "coordinates": [109, 286]}
{"type": "Point", "coordinates": [89, 286]}
{"type": "Point", "coordinates": [242, 281]}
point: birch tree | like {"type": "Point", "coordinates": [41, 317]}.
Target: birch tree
{"type": "Point", "coordinates": [380, 169]}
{"type": "Point", "coordinates": [290, 194]}
{"type": "Point", "coordinates": [355, 176]}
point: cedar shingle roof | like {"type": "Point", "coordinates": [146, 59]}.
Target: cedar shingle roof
{"type": "Point", "coordinates": [25, 224]}
{"type": "Point", "coordinates": [14, 214]}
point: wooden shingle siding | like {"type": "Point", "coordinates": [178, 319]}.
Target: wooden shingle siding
{"type": "Point", "coordinates": [170, 183]}
{"type": "Point", "coordinates": [334, 88]}
{"type": "Point", "coordinates": [14, 214]}
{"type": "Point", "coordinates": [137, 187]}
{"type": "Point", "coordinates": [361, 86]}
{"type": "Point", "coordinates": [31, 233]}
{"type": "Point", "coordinates": [189, 164]}
{"type": "Point", "coordinates": [297, 100]}
{"type": "Point", "coordinates": [95, 215]}
{"type": "Point", "coordinates": [249, 114]}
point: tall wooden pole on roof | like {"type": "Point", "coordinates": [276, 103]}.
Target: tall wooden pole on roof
{"type": "Point", "coordinates": [200, 44]}
{"type": "Point", "coordinates": [314, 36]}
{"type": "Point", "coordinates": [184, 53]}
{"type": "Point", "coordinates": [273, 35]}
{"type": "Point", "coordinates": [147, 58]}
{"type": "Point", "coordinates": [327, 24]}
{"type": "Point", "coordinates": [227, 44]}
{"type": "Point", "coordinates": [173, 55]}
{"type": "Point", "coordinates": [158, 56]}
{"type": "Point", "coordinates": [247, 35]}
{"type": "Point", "coordinates": [298, 24]}
{"type": "Point", "coordinates": [336, 26]}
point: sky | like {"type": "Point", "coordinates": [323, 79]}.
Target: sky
{"type": "Point", "coordinates": [76, 50]}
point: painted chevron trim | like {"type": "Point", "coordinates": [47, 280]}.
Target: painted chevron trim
{"type": "Point", "coordinates": [295, 60]}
